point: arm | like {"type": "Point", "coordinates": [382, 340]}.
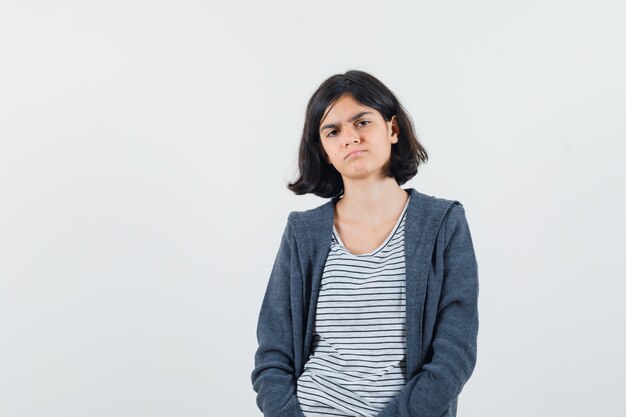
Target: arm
{"type": "Point", "coordinates": [439, 382]}
{"type": "Point", "coordinates": [273, 376]}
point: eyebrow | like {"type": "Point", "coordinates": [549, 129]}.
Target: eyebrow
{"type": "Point", "coordinates": [352, 119]}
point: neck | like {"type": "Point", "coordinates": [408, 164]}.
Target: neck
{"type": "Point", "coordinates": [373, 203]}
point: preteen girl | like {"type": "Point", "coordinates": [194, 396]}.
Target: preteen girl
{"type": "Point", "coordinates": [371, 305]}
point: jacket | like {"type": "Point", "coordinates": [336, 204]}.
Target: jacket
{"type": "Point", "coordinates": [441, 309]}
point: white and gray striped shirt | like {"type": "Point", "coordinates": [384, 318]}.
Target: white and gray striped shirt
{"type": "Point", "coordinates": [358, 359]}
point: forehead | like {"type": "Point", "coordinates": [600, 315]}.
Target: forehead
{"type": "Point", "coordinates": [343, 108]}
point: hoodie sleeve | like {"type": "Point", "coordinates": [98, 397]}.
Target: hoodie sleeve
{"type": "Point", "coordinates": [273, 377]}
{"type": "Point", "coordinates": [431, 391]}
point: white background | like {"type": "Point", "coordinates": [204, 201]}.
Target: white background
{"type": "Point", "coordinates": [144, 151]}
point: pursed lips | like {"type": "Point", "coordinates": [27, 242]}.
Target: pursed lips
{"type": "Point", "coordinates": [355, 152]}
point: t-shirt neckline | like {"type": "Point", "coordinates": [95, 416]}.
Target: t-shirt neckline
{"type": "Point", "coordinates": [382, 245]}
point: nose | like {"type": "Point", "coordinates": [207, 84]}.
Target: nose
{"type": "Point", "coordinates": [351, 135]}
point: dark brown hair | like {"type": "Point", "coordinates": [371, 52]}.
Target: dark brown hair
{"type": "Point", "coordinates": [322, 179]}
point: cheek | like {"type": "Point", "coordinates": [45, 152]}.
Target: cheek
{"type": "Point", "coordinates": [330, 151]}
{"type": "Point", "coordinates": [327, 153]}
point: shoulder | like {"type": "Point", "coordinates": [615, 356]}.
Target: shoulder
{"type": "Point", "coordinates": [306, 227]}
{"type": "Point", "coordinates": [312, 216]}
{"type": "Point", "coordinates": [454, 220]}
{"type": "Point", "coordinates": [435, 201]}
{"type": "Point", "coordinates": [442, 208]}
{"type": "Point", "coordinates": [448, 214]}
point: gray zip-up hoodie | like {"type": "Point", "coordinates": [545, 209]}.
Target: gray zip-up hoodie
{"type": "Point", "coordinates": [441, 309]}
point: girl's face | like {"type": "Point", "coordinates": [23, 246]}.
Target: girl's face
{"type": "Point", "coordinates": [357, 139]}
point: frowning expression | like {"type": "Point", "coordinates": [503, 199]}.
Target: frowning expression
{"type": "Point", "coordinates": [356, 139]}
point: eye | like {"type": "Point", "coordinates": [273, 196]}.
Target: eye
{"type": "Point", "coordinates": [365, 123]}
{"type": "Point", "coordinates": [331, 133]}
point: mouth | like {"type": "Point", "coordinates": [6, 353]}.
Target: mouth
{"type": "Point", "coordinates": [354, 153]}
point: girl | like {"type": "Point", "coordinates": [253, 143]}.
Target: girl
{"type": "Point", "coordinates": [371, 305]}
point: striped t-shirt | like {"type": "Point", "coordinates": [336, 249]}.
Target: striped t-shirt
{"type": "Point", "coordinates": [358, 359]}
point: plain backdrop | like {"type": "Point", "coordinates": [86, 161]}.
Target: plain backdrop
{"type": "Point", "coordinates": [145, 148]}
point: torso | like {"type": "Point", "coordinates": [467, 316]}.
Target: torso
{"type": "Point", "coordinates": [360, 326]}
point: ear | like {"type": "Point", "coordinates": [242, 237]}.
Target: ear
{"type": "Point", "coordinates": [395, 129]}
